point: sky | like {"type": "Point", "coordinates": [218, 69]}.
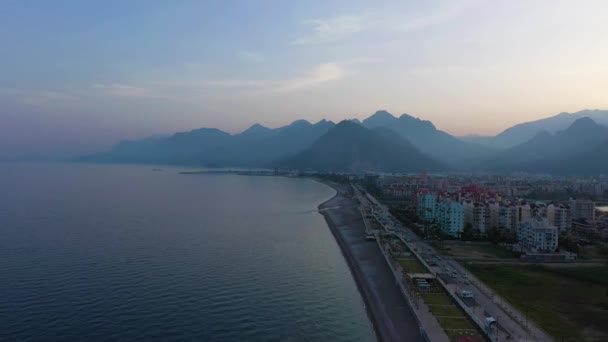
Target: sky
{"type": "Point", "coordinates": [77, 76]}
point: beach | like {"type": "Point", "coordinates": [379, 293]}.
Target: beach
{"type": "Point", "coordinates": [387, 309]}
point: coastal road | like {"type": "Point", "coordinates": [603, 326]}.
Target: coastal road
{"type": "Point", "coordinates": [388, 310]}
{"type": "Point", "coordinates": [513, 326]}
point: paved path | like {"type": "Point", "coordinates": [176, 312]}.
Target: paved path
{"type": "Point", "coordinates": [388, 310]}
{"type": "Point", "coordinates": [514, 325]}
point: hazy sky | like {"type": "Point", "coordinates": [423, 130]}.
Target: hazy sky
{"type": "Point", "coordinates": [79, 75]}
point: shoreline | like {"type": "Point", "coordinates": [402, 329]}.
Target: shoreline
{"type": "Point", "coordinates": [384, 304]}
{"type": "Point", "coordinates": [353, 269]}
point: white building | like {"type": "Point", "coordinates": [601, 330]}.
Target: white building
{"type": "Point", "coordinates": [478, 216]}
{"type": "Point", "coordinates": [523, 213]}
{"type": "Point", "coordinates": [537, 235]}
{"type": "Point", "coordinates": [450, 217]}
{"type": "Point", "coordinates": [426, 207]}
{"type": "Point", "coordinates": [480, 219]}
{"type": "Point", "coordinates": [559, 216]}
{"type": "Point", "coordinates": [582, 209]}
{"type": "Point", "coordinates": [494, 213]}
{"type": "Point", "coordinates": [507, 225]}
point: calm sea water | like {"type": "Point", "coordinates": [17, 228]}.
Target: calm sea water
{"type": "Point", "coordinates": [94, 252]}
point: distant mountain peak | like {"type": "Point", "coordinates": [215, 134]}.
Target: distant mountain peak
{"type": "Point", "coordinates": [349, 146]}
{"type": "Point", "coordinates": [202, 131]}
{"type": "Point", "coordinates": [382, 114]}
{"type": "Point", "coordinates": [583, 123]}
{"type": "Point", "coordinates": [345, 123]}
{"type": "Point", "coordinates": [256, 128]}
{"type": "Point", "coordinates": [380, 118]}
{"type": "Point", "coordinates": [523, 132]}
{"type": "Point", "coordinates": [410, 118]}
{"type": "Point", "coordinates": [300, 122]}
{"type": "Point", "coordinates": [323, 122]}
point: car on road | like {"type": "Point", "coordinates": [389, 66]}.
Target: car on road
{"type": "Point", "coordinates": [466, 294]}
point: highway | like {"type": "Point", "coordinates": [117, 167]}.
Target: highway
{"type": "Point", "coordinates": [512, 324]}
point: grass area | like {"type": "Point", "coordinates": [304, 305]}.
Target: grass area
{"type": "Point", "coordinates": [452, 320]}
{"type": "Point", "coordinates": [412, 265]}
{"type": "Point", "coordinates": [445, 310]}
{"type": "Point", "coordinates": [453, 335]}
{"type": "Point", "coordinates": [478, 251]}
{"type": "Point", "coordinates": [460, 323]}
{"type": "Point", "coordinates": [437, 298]}
{"type": "Point", "coordinates": [569, 303]}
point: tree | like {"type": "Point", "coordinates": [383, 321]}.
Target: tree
{"type": "Point", "coordinates": [467, 233]}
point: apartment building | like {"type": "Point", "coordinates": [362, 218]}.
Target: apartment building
{"type": "Point", "coordinates": [537, 235]}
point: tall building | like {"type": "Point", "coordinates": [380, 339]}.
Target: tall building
{"type": "Point", "coordinates": [507, 223]}
{"type": "Point", "coordinates": [450, 217]}
{"type": "Point", "coordinates": [559, 216]}
{"type": "Point", "coordinates": [582, 209]}
{"type": "Point", "coordinates": [494, 211]}
{"type": "Point", "coordinates": [522, 212]}
{"type": "Point", "coordinates": [426, 207]}
{"type": "Point", "coordinates": [480, 219]}
{"type": "Point", "coordinates": [537, 235]}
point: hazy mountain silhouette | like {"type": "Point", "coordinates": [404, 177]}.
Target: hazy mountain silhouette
{"type": "Point", "coordinates": [386, 143]}
{"type": "Point", "coordinates": [180, 148]}
{"type": "Point", "coordinates": [523, 132]}
{"type": "Point", "coordinates": [255, 146]}
{"type": "Point", "coordinates": [588, 163]}
{"type": "Point", "coordinates": [552, 153]}
{"type": "Point", "coordinates": [281, 142]}
{"type": "Point", "coordinates": [428, 139]}
{"type": "Point", "coordinates": [351, 147]}
{"type": "Point", "coordinates": [255, 132]}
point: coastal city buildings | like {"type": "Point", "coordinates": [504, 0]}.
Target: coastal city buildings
{"type": "Point", "coordinates": [446, 213]}
{"type": "Point", "coordinates": [450, 217]}
{"type": "Point", "coordinates": [426, 206]}
{"type": "Point", "coordinates": [560, 216]}
{"type": "Point", "coordinates": [495, 207]}
{"type": "Point", "coordinates": [537, 235]}
{"type": "Point", "coordinates": [582, 209]}
{"type": "Point", "coordinates": [507, 222]}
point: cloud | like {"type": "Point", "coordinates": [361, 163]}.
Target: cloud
{"type": "Point", "coordinates": [121, 90]}
{"type": "Point", "coordinates": [186, 90]}
{"type": "Point", "coordinates": [341, 27]}
{"type": "Point", "coordinates": [333, 29]}
{"type": "Point", "coordinates": [249, 56]}
{"type": "Point", "coordinates": [321, 74]}
{"type": "Point", "coordinates": [37, 97]}
{"type": "Point", "coordinates": [318, 75]}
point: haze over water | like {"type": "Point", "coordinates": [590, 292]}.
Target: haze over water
{"type": "Point", "coordinates": [122, 252]}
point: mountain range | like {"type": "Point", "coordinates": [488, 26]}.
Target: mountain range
{"type": "Point", "coordinates": [523, 132]}
{"type": "Point", "coordinates": [351, 147]}
{"type": "Point", "coordinates": [255, 147]}
{"type": "Point", "coordinates": [579, 149]}
{"type": "Point", "coordinates": [563, 144]}
{"type": "Point", "coordinates": [428, 139]}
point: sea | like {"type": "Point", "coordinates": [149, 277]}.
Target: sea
{"type": "Point", "coordinates": [124, 252]}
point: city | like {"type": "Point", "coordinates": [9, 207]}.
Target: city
{"type": "Point", "coordinates": [441, 233]}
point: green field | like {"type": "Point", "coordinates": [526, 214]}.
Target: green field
{"type": "Point", "coordinates": [452, 320]}
{"type": "Point", "coordinates": [437, 298]}
{"type": "Point", "coordinates": [412, 265]}
{"type": "Point", "coordinates": [465, 250]}
{"type": "Point", "coordinates": [445, 310]}
{"type": "Point", "coordinates": [569, 303]}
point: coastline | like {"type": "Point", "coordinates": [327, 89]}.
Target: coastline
{"type": "Point", "coordinates": [384, 304]}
